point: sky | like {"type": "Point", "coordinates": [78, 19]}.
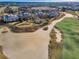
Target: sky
{"type": "Point", "coordinates": [41, 0]}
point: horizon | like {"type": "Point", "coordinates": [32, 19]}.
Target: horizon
{"type": "Point", "coordinates": [36, 1]}
{"type": "Point", "coordinates": [39, 1]}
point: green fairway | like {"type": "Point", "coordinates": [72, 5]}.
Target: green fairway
{"type": "Point", "coordinates": [71, 12]}
{"type": "Point", "coordinates": [70, 29]}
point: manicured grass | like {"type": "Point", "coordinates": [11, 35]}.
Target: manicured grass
{"type": "Point", "coordinates": [70, 29]}
{"type": "Point", "coordinates": [71, 12]}
{"type": "Point", "coordinates": [0, 27]}
{"type": "Point", "coordinates": [77, 12]}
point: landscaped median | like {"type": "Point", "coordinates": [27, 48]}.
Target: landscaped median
{"type": "Point", "coordinates": [70, 29]}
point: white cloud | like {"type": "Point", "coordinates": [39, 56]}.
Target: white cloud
{"type": "Point", "coordinates": [72, 0]}
{"type": "Point", "coordinates": [64, 0]}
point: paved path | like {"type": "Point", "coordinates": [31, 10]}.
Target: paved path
{"type": "Point", "coordinates": [29, 45]}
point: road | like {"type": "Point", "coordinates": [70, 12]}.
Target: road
{"type": "Point", "coordinates": [29, 45]}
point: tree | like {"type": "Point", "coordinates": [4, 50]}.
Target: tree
{"type": "Point", "coordinates": [63, 9]}
{"type": "Point", "coordinates": [8, 10]}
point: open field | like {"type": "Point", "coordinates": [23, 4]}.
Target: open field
{"type": "Point", "coordinates": [70, 29]}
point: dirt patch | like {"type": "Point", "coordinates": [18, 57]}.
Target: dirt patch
{"type": "Point", "coordinates": [45, 28]}
{"type": "Point", "coordinates": [25, 29]}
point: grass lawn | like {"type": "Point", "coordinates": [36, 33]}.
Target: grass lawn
{"type": "Point", "coordinates": [0, 27]}
{"type": "Point", "coordinates": [78, 12]}
{"type": "Point", "coordinates": [70, 29]}
{"type": "Point", "coordinates": [71, 12]}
